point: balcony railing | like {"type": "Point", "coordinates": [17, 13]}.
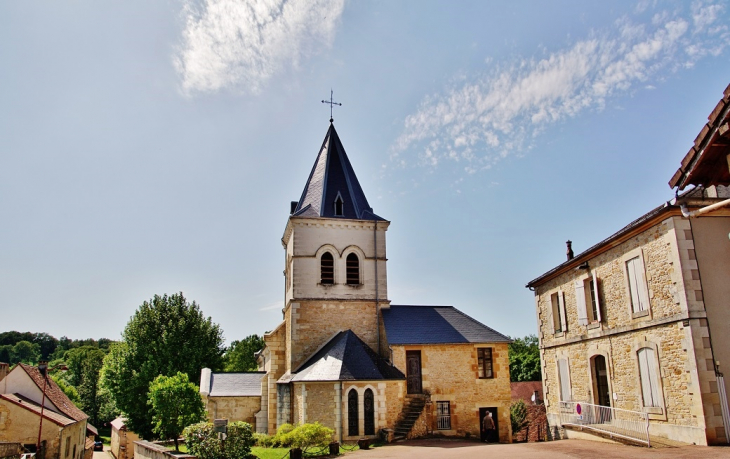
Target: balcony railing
{"type": "Point", "coordinates": [633, 425]}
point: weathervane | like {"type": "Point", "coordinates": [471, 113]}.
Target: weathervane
{"type": "Point", "coordinates": [331, 103]}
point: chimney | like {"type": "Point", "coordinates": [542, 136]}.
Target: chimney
{"type": "Point", "coordinates": [570, 249]}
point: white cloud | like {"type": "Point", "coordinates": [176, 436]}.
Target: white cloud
{"type": "Point", "coordinates": [484, 118]}
{"type": "Point", "coordinates": [240, 45]}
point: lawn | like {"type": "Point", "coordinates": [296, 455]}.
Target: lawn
{"type": "Point", "coordinates": [279, 453]}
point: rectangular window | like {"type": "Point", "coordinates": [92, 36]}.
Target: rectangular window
{"type": "Point", "coordinates": [484, 355]}
{"type": "Point", "coordinates": [558, 308]}
{"type": "Point", "coordinates": [564, 380]}
{"type": "Point", "coordinates": [443, 415]}
{"type": "Point", "coordinates": [649, 379]}
{"type": "Point", "coordinates": [637, 285]}
{"type": "Point", "coordinates": [68, 446]}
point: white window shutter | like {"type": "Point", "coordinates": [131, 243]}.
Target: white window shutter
{"type": "Point", "coordinates": [563, 319]}
{"type": "Point", "coordinates": [595, 294]}
{"type": "Point", "coordinates": [564, 380]}
{"type": "Point", "coordinates": [631, 269]}
{"type": "Point", "coordinates": [580, 299]}
{"type": "Point", "coordinates": [641, 286]}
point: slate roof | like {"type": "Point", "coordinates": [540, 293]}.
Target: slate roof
{"type": "Point", "coordinates": [435, 325]}
{"type": "Point", "coordinates": [332, 174]}
{"type": "Point", "coordinates": [54, 393]}
{"type": "Point", "coordinates": [34, 407]}
{"type": "Point", "coordinates": [236, 384]}
{"type": "Point", "coordinates": [346, 357]}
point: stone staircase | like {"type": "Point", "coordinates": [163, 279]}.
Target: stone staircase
{"type": "Point", "coordinates": [412, 409]}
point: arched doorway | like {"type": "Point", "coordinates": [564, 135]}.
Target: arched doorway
{"type": "Point", "coordinates": [369, 412]}
{"type": "Point", "coordinates": [352, 417]}
{"type": "Point", "coordinates": [601, 394]}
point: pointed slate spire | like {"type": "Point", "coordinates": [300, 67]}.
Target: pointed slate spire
{"type": "Point", "coordinates": [332, 190]}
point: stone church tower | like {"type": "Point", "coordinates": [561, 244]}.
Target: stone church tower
{"type": "Point", "coordinates": [336, 276]}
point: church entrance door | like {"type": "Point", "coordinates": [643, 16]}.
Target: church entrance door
{"type": "Point", "coordinates": [413, 371]}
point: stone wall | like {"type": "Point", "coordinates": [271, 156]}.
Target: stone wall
{"type": "Point", "coordinates": [304, 240]}
{"type": "Point", "coordinates": [233, 408]}
{"type": "Point", "coordinates": [450, 373]}
{"type": "Point", "coordinates": [275, 365]}
{"type": "Point", "coordinates": [674, 327]}
{"type": "Point", "coordinates": [536, 425]}
{"type": "Point", "coordinates": [315, 322]}
{"type": "Point", "coordinates": [148, 450]}
{"type": "Point", "coordinates": [20, 425]}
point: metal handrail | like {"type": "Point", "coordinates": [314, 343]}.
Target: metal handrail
{"type": "Point", "coordinates": [614, 421]}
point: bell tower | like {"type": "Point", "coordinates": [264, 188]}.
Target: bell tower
{"type": "Point", "coordinates": [335, 268]}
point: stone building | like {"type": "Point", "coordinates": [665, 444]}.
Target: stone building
{"type": "Point", "coordinates": [64, 427]}
{"type": "Point", "coordinates": [347, 358]}
{"type": "Point", "coordinates": [122, 439]}
{"type": "Point", "coordinates": [233, 396]}
{"type": "Point", "coordinates": [639, 320]}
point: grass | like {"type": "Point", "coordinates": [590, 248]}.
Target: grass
{"type": "Point", "coordinates": [269, 453]}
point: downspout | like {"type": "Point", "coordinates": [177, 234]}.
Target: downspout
{"type": "Point", "coordinates": [377, 299]}
{"type": "Point", "coordinates": [342, 419]}
{"type": "Point", "coordinates": [696, 213]}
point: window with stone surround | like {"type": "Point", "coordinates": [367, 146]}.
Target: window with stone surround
{"type": "Point", "coordinates": [353, 269]}
{"type": "Point", "coordinates": [588, 300]}
{"type": "Point", "coordinates": [649, 378]}
{"type": "Point", "coordinates": [443, 415]}
{"type": "Point", "coordinates": [557, 303]}
{"type": "Point", "coordinates": [327, 269]}
{"type": "Point", "coordinates": [484, 363]}
{"type": "Point", "coordinates": [636, 286]}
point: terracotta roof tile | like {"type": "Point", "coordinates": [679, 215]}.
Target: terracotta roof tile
{"type": "Point", "coordinates": [34, 407]}
{"type": "Point", "coordinates": [54, 394]}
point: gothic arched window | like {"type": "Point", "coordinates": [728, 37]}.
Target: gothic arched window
{"type": "Point", "coordinates": [352, 421]}
{"type": "Point", "coordinates": [353, 269]}
{"type": "Point", "coordinates": [339, 206]}
{"type": "Point", "coordinates": [369, 412]}
{"type": "Point", "coordinates": [327, 269]}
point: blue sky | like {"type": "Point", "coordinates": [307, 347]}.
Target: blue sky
{"type": "Point", "coordinates": [154, 147]}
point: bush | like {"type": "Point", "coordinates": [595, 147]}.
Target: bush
{"type": "Point", "coordinates": [203, 442]}
{"type": "Point", "coordinates": [310, 435]}
{"type": "Point", "coordinates": [518, 416]}
{"type": "Point", "coordinates": [283, 436]}
{"type": "Point", "coordinates": [263, 440]}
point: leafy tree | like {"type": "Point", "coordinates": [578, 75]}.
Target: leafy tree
{"type": "Point", "coordinates": [518, 416]}
{"type": "Point", "coordinates": [524, 359]}
{"type": "Point", "coordinates": [166, 335]}
{"type": "Point", "coordinates": [67, 389]}
{"type": "Point", "coordinates": [176, 404]}
{"type": "Point", "coordinates": [240, 355]}
{"type": "Point", "coordinates": [203, 441]}
{"type": "Point", "coordinates": [6, 352]}
{"type": "Point", "coordinates": [26, 352]}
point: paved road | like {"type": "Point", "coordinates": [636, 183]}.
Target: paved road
{"type": "Point", "coordinates": [564, 449]}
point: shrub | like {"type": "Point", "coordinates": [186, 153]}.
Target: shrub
{"type": "Point", "coordinates": [310, 435]}
{"type": "Point", "coordinates": [283, 436]}
{"type": "Point", "coordinates": [518, 416]}
{"type": "Point", "coordinates": [203, 442]}
{"type": "Point", "coordinates": [263, 440]}
{"type": "Point", "coordinates": [239, 440]}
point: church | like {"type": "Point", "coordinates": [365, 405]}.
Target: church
{"type": "Point", "coordinates": [343, 355]}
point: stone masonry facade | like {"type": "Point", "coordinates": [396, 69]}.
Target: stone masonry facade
{"type": "Point", "coordinates": [674, 328]}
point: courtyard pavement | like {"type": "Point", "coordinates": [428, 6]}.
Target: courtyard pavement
{"type": "Point", "coordinates": [562, 449]}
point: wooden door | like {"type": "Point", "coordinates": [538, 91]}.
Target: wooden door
{"type": "Point", "coordinates": [413, 371]}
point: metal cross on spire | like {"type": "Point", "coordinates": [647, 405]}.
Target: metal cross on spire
{"type": "Point", "coordinates": [331, 103]}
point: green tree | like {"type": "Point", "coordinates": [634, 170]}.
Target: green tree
{"type": "Point", "coordinates": [6, 352]}
{"type": "Point", "coordinates": [240, 355]}
{"type": "Point", "coordinates": [524, 359]}
{"type": "Point", "coordinates": [176, 404]}
{"type": "Point", "coordinates": [67, 388]}
{"type": "Point", "coordinates": [26, 352]}
{"type": "Point", "coordinates": [166, 335]}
